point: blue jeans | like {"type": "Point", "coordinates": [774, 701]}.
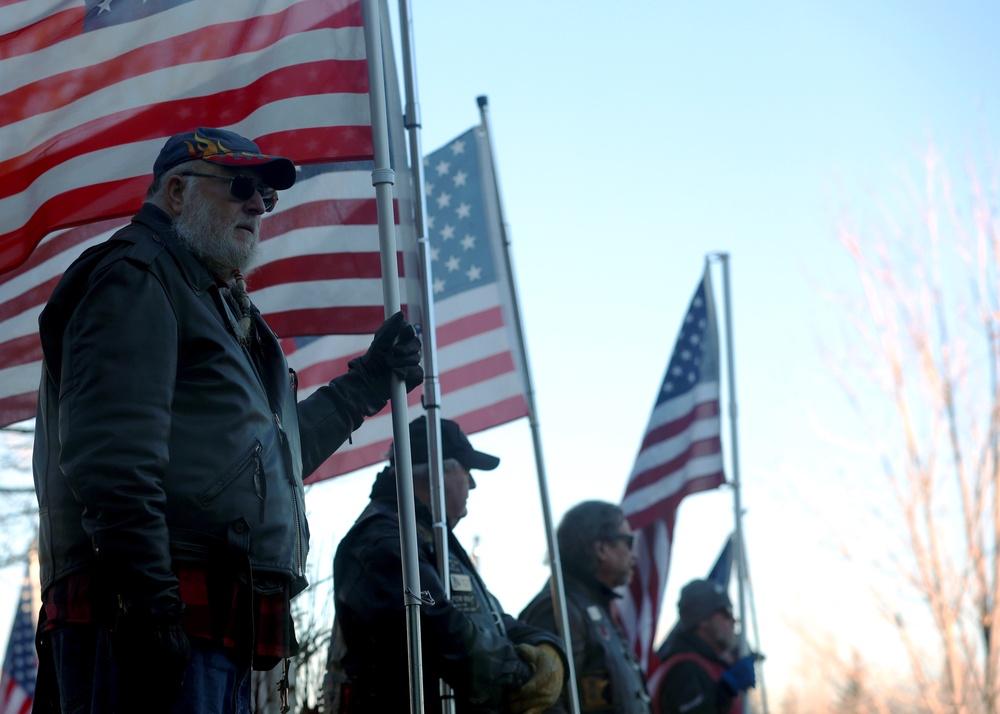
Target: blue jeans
{"type": "Point", "coordinates": [215, 683]}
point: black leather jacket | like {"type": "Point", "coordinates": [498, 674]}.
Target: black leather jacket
{"type": "Point", "coordinates": [467, 640]}
{"type": "Point", "coordinates": [608, 677]}
{"type": "Point", "coordinates": [160, 437]}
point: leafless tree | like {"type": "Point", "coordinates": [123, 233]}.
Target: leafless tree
{"type": "Point", "coordinates": [929, 324]}
{"type": "Point", "coordinates": [830, 677]}
{"type": "Point", "coordinates": [18, 509]}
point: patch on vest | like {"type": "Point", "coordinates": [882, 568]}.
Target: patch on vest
{"type": "Point", "coordinates": [594, 691]}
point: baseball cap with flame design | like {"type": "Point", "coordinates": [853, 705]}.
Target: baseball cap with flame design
{"type": "Point", "coordinates": [225, 148]}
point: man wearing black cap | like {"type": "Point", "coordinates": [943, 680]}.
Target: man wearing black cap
{"type": "Point", "coordinates": [493, 662]}
{"type": "Point", "coordinates": [700, 673]}
{"type": "Point", "coordinates": [170, 451]}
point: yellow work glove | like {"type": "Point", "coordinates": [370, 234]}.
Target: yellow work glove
{"type": "Point", "coordinates": [542, 690]}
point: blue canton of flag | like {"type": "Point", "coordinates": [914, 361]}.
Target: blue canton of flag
{"type": "Point", "coordinates": [691, 362]}
{"type": "Point", "coordinates": [20, 665]}
{"type": "Point", "coordinates": [461, 254]}
{"type": "Point", "coordinates": [105, 13]}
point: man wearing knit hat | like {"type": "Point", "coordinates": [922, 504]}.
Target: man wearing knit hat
{"type": "Point", "coordinates": [700, 673]}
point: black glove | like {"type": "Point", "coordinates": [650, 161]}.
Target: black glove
{"type": "Point", "coordinates": [395, 350]}
{"type": "Point", "coordinates": [151, 654]}
{"type": "Point", "coordinates": [740, 675]}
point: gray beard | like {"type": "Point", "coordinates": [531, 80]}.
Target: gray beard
{"type": "Point", "coordinates": [214, 244]}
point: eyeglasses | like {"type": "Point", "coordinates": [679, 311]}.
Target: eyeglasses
{"type": "Point", "coordinates": [242, 188]}
{"type": "Point", "coordinates": [627, 538]}
{"type": "Point", "coordinates": [728, 614]}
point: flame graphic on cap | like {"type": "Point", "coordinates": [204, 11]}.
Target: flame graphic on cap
{"type": "Point", "coordinates": [209, 149]}
{"type": "Point", "coordinates": [206, 148]}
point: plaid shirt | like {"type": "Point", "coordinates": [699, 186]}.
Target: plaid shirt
{"type": "Point", "coordinates": [77, 599]}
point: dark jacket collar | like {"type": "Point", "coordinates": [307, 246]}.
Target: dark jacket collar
{"type": "Point", "coordinates": [594, 589]}
{"type": "Point", "coordinates": [688, 641]}
{"type": "Point", "coordinates": [193, 270]}
{"type": "Point", "coordinates": [384, 489]}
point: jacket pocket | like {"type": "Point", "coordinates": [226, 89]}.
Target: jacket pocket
{"type": "Point", "coordinates": [247, 468]}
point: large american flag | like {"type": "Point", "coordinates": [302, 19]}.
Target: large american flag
{"type": "Point", "coordinates": [91, 89]}
{"type": "Point", "coordinates": [320, 271]}
{"type": "Point", "coordinates": [20, 665]}
{"type": "Point", "coordinates": [681, 453]}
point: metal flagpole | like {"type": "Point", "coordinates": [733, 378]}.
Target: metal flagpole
{"type": "Point", "coordinates": [735, 461]}
{"type": "Point", "coordinates": [756, 631]}
{"type": "Point", "coordinates": [382, 179]}
{"type": "Point", "coordinates": [428, 336]}
{"type": "Point", "coordinates": [558, 590]}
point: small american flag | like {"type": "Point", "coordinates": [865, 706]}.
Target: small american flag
{"type": "Point", "coordinates": [20, 664]}
{"type": "Point", "coordinates": [91, 89]}
{"type": "Point", "coordinates": [681, 453]}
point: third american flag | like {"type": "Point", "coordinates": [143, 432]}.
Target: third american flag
{"type": "Point", "coordinates": [681, 453]}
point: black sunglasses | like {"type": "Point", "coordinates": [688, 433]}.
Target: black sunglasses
{"type": "Point", "coordinates": [242, 188]}
{"type": "Point", "coordinates": [629, 538]}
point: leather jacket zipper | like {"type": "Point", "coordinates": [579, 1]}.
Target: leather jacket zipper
{"type": "Point", "coordinates": [295, 496]}
{"type": "Point", "coordinates": [259, 484]}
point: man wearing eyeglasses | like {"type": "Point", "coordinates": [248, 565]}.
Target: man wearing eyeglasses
{"type": "Point", "coordinates": [700, 673]}
{"type": "Point", "coordinates": [170, 450]}
{"type": "Point", "coordinates": [595, 547]}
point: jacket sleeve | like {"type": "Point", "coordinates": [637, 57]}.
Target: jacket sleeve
{"type": "Point", "coordinates": [117, 377]}
{"type": "Point", "coordinates": [329, 416]}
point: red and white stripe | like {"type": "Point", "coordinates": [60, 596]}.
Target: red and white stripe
{"type": "Point", "coordinates": [320, 270]}
{"type": "Point", "coordinates": [23, 293]}
{"type": "Point", "coordinates": [83, 115]}
{"type": "Point", "coordinates": [13, 698]}
{"type": "Point", "coordinates": [20, 663]}
{"type": "Point", "coordinates": [480, 378]}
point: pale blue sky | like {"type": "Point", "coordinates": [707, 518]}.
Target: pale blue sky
{"type": "Point", "coordinates": [631, 140]}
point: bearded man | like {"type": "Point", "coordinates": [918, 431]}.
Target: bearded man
{"type": "Point", "coordinates": [170, 451]}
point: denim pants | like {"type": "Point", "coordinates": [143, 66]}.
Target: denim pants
{"type": "Point", "coordinates": [215, 683]}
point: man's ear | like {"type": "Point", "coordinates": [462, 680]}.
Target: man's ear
{"type": "Point", "coordinates": [176, 186]}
